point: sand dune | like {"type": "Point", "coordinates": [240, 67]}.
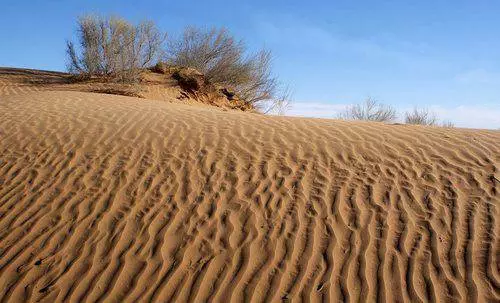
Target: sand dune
{"type": "Point", "coordinates": [118, 199]}
{"type": "Point", "coordinates": [152, 85]}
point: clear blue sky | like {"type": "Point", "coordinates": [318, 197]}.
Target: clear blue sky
{"type": "Point", "coordinates": [444, 55]}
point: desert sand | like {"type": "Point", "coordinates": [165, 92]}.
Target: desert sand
{"type": "Point", "coordinates": [120, 199]}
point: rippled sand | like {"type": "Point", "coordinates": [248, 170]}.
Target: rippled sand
{"type": "Point", "coordinates": [110, 198]}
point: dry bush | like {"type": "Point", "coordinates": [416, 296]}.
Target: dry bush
{"type": "Point", "coordinates": [113, 47]}
{"type": "Point", "coordinates": [279, 105]}
{"type": "Point", "coordinates": [420, 117]}
{"type": "Point", "coordinates": [225, 61]}
{"type": "Point", "coordinates": [447, 124]}
{"type": "Point", "coordinates": [370, 110]}
{"type": "Point", "coordinates": [214, 53]}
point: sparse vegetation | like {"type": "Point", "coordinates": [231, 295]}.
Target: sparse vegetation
{"type": "Point", "coordinates": [370, 110]}
{"type": "Point", "coordinates": [213, 52]}
{"type": "Point", "coordinates": [114, 48]}
{"type": "Point", "coordinates": [420, 117]}
{"type": "Point", "coordinates": [226, 61]}
{"type": "Point", "coordinates": [281, 104]}
{"type": "Point", "coordinates": [448, 124]}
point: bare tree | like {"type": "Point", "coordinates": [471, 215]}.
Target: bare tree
{"type": "Point", "coordinates": [370, 110]}
{"type": "Point", "coordinates": [225, 61]}
{"type": "Point", "coordinates": [114, 47]}
{"type": "Point", "coordinates": [420, 117]}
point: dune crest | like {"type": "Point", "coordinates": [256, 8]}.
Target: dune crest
{"type": "Point", "coordinates": [111, 198]}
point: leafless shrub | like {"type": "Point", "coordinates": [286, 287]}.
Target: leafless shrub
{"type": "Point", "coordinates": [448, 124]}
{"type": "Point", "coordinates": [279, 105]}
{"type": "Point", "coordinates": [420, 117]}
{"type": "Point", "coordinates": [224, 60]}
{"type": "Point", "coordinates": [214, 53]}
{"type": "Point", "coordinates": [370, 110]}
{"type": "Point", "coordinates": [114, 47]}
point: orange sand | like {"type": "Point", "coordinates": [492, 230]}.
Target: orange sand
{"type": "Point", "coordinates": [119, 199]}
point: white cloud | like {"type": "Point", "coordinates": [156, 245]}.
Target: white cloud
{"type": "Point", "coordinates": [473, 116]}
{"type": "Point", "coordinates": [315, 109]}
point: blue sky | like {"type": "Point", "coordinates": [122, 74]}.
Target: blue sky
{"type": "Point", "coordinates": [443, 55]}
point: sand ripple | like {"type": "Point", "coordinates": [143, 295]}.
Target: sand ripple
{"type": "Point", "coordinates": [107, 198]}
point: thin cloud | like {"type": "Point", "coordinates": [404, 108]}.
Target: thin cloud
{"type": "Point", "coordinates": [316, 109]}
{"type": "Point", "coordinates": [473, 116]}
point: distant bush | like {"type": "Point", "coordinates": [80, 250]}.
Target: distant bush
{"type": "Point", "coordinates": [370, 110]}
{"type": "Point", "coordinates": [113, 47]}
{"type": "Point", "coordinates": [447, 124]}
{"type": "Point", "coordinates": [225, 61]}
{"type": "Point", "coordinates": [280, 104]}
{"type": "Point", "coordinates": [420, 117]}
